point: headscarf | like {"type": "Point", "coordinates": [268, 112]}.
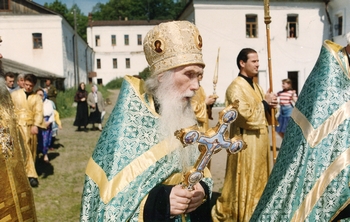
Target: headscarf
{"type": "Point", "coordinates": [95, 87]}
{"type": "Point", "coordinates": [80, 89]}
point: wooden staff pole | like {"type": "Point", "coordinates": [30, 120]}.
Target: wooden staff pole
{"type": "Point", "coordinates": [267, 22]}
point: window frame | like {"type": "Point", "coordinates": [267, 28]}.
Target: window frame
{"type": "Point", "coordinates": [250, 32]}
{"type": "Point", "coordinates": [37, 38]}
{"type": "Point", "coordinates": [339, 27]}
{"type": "Point", "coordinates": [126, 39]}
{"type": "Point", "coordinates": [2, 3]}
{"type": "Point", "coordinates": [127, 63]}
{"type": "Point", "coordinates": [294, 24]}
{"type": "Point", "coordinates": [98, 64]}
{"type": "Point", "coordinates": [139, 39]}
{"type": "Point", "coordinates": [113, 40]}
{"type": "Point", "coordinates": [97, 40]}
{"type": "Point", "coordinates": [115, 63]}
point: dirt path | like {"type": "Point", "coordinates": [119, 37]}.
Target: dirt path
{"type": "Point", "coordinates": [61, 181]}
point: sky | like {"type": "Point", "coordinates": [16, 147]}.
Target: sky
{"type": "Point", "coordinates": [84, 5]}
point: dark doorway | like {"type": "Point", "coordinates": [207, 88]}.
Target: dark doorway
{"type": "Point", "coordinates": [294, 77]}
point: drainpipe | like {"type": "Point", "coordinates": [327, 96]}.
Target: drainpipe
{"type": "Point", "coordinates": [86, 64]}
{"type": "Point", "coordinates": [76, 57]}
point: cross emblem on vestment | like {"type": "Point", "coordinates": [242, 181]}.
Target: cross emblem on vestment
{"type": "Point", "coordinates": [210, 142]}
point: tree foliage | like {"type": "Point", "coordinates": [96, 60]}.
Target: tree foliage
{"type": "Point", "coordinates": [137, 10]}
{"type": "Point", "coordinates": [68, 14]}
{"type": "Point", "coordinates": [119, 9]}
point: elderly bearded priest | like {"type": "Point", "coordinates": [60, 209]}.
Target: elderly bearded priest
{"type": "Point", "coordinates": [136, 168]}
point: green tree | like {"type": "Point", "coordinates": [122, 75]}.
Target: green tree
{"type": "Point", "coordinates": [137, 10]}
{"type": "Point", "coordinates": [68, 14]}
{"type": "Point", "coordinates": [58, 7]}
{"type": "Point", "coordinates": [145, 73]}
{"type": "Point", "coordinates": [81, 20]}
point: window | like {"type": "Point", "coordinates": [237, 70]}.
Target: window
{"type": "Point", "coordinates": [115, 64]}
{"type": "Point", "coordinates": [37, 41]}
{"type": "Point", "coordinates": [251, 26]}
{"type": "Point", "coordinates": [98, 63]}
{"type": "Point", "coordinates": [293, 75]}
{"type": "Point", "coordinates": [97, 40]}
{"type": "Point", "coordinates": [339, 26]}
{"type": "Point", "coordinates": [114, 40]}
{"type": "Point", "coordinates": [127, 63]}
{"type": "Point", "coordinates": [4, 5]}
{"type": "Point", "coordinates": [126, 39]}
{"type": "Point", "coordinates": [139, 39]}
{"type": "Point", "coordinates": [292, 26]}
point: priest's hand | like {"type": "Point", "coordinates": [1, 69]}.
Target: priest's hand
{"type": "Point", "coordinates": [34, 130]}
{"type": "Point", "coordinates": [179, 200]}
{"type": "Point", "coordinates": [197, 198]}
{"type": "Point", "coordinates": [271, 99]}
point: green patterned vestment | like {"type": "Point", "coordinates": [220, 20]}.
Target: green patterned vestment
{"type": "Point", "coordinates": [310, 180]}
{"type": "Point", "coordinates": [128, 161]}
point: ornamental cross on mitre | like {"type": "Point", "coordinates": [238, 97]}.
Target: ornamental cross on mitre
{"type": "Point", "coordinates": [210, 142]}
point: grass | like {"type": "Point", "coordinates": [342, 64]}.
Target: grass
{"type": "Point", "coordinates": [65, 100]}
{"type": "Point", "coordinates": [61, 181]}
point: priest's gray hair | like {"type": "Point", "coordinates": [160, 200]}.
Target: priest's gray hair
{"type": "Point", "coordinates": [152, 83]}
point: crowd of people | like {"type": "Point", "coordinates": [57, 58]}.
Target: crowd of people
{"type": "Point", "coordinates": [137, 169]}
{"type": "Point", "coordinates": [36, 116]}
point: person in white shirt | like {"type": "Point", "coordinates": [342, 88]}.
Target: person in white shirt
{"type": "Point", "coordinates": [45, 132]}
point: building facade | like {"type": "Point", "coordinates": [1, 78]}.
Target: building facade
{"type": "Point", "coordinates": [297, 31]}
{"type": "Point", "coordinates": [339, 20]}
{"type": "Point", "coordinates": [43, 43]}
{"type": "Point", "coordinates": [118, 47]}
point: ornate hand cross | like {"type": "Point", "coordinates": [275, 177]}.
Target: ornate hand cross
{"type": "Point", "coordinates": [211, 142]}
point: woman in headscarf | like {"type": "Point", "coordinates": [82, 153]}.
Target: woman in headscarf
{"type": "Point", "coordinates": [97, 106]}
{"type": "Point", "coordinates": [45, 132]}
{"type": "Point", "coordinates": [82, 115]}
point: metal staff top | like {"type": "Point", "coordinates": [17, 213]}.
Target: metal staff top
{"type": "Point", "coordinates": [210, 142]}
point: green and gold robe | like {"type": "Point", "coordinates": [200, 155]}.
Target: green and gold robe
{"type": "Point", "coordinates": [129, 160]}
{"type": "Point", "coordinates": [311, 178]}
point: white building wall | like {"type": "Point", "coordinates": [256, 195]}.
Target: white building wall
{"type": "Point", "coordinates": [223, 26]}
{"type": "Point", "coordinates": [340, 8]}
{"type": "Point", "coordinates": [56, 55]}
{"type": "Point", "coordinates": [106, 51]}
{"type": "Point", "coordinates": [16, 32]}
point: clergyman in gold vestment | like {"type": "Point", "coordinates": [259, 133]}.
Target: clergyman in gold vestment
{"type": "Point", "coordinates": [199, 103]}
{"type": "Point", "coordinates": [16, 197]}
{"type": "Point", "coordinates": [29, 112]}
{"type": "Point", "coordinates": [246, 172]}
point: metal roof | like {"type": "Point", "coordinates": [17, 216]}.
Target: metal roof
{"type": "Point", "coordinates": [16, 67]}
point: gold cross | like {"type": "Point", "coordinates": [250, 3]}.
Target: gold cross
{"type": "Point", "coordinates": [210, 142]}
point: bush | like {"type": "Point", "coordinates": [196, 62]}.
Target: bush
{"type": "Point", "coordinates": [64, 101]}
{"type": "Point", "coordinates": [115, 84]}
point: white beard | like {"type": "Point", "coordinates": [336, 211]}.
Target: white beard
{"type": "Point", "coordinates": [176, 113]}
